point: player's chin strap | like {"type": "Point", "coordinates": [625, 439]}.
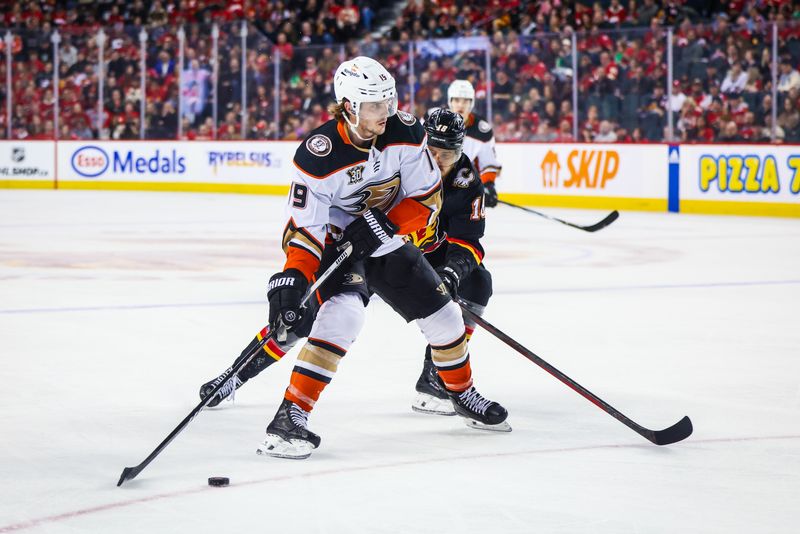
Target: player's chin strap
{"type": "Point", "coordinates": [352, 126]}
{"type": "Point", "coordinates": [354, 129]}
{"type": "Point", "coordinates": [129, 473]}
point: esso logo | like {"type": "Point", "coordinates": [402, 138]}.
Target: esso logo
{"type": "Point", "coordinates": [90, 161]}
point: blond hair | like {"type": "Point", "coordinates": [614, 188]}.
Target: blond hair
{"type": "Point", "coordinates": [337, 110]}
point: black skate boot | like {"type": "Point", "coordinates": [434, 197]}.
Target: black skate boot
{"type": "Point", "coordinates": [288, 435]}
{"type": "Point", "coordinates": [256, 365]}
{"type": "Point", "coordinates": [479, 413]}
{"type": "Point", "coordinates": [431, 397]}
{"type": "Point", "coordinates": [224, 392]}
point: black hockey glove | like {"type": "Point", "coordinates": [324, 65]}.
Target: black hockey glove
{"type": "Point", "coordinates": [450, 279]}
{"type": "Point", "coordinates": [285, 292]}
{"type": "Point", "coordinates": [367, 234]}
{"type": "Point", "coordinates": [489, 195]}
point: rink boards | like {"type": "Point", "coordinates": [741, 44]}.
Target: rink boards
{"type": "Point", "coordinates": [689, 178]}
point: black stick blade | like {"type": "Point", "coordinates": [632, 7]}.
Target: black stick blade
{"type": "Point", "coordinates": [610, 218]}
{"type": "Point", "coordinates": [677, 432]}
{"type": "Point", "coordinates": [129, 473]}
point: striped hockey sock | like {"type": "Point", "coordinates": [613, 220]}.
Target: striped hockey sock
{"type": "Point", "coordinates": [315, 367]}
{"type": "Point", "coordinates": [452, 363]}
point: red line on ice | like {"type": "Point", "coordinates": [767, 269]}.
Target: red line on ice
{"type": "Point", "coordinates": [110, 506]}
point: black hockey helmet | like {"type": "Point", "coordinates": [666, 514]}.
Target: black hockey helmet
{"type": "Point", "coordinates": [446, 130]}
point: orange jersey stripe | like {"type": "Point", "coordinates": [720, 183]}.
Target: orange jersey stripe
{"type": "Point", "coordinates": [302, 260]}
{"type": "Point", "coordinates": [330, 173]}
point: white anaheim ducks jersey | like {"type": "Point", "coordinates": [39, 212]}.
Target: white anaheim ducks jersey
{"type": "Point", "coordinates": [479, 146]}
{"type": "Point", "coordinates": [335, 181]}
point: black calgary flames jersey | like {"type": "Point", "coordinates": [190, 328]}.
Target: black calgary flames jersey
{"type": "Point", "coordinates": [461, 221]}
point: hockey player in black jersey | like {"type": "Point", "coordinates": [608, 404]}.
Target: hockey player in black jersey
{"type": "Point", "coordinates": [365, 178]}
{"type": "Point", "coordinates": [479, 144]}
{"type": "Point", "coordinates": [452, 245]}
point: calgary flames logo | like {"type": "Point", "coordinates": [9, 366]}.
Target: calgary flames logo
{"type": "Point", "coordinates": [426, 237]}
{"type": "Point", "coordinates": [379, 195]}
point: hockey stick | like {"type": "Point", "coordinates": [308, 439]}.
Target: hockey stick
{"type": "Point", "coordinates": [129, 473]}
{"type": "Point", "coordinates": [608, 219]}
{"type": "Point", "coordinates": [677, 432]}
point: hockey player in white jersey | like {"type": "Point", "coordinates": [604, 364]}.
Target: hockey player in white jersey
{"type": "Point", "coordinates": [479, 144]}
{"type": "Point", "coordinates": [366, 179]}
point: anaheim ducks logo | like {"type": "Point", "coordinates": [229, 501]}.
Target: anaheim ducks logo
{"type": "Point", "coordinates": [353, 279]}
{"type": "Point", "coordinates": [484, 126]}
{"type": "Point", "coordinates": [373, 195]}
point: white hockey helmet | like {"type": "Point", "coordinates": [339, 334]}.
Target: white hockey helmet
{"type": "Point", "coordinates": [461, 89]}
{"type": "Point", "coordinates": [361, 80]}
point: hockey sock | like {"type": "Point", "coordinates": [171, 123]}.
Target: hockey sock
{"type": "Point", "coordinates": [273, 352]}
{"type": "Point", "coordinates": [469, 325]}
{"type": "Point", "coordinates": [444, 330]}
{"type": "Point", "coordinates": [468, 331]}
{"type": "Point", "coordinates": [315, 367]}
{"type": "Point", "coordinates": [452, 363]}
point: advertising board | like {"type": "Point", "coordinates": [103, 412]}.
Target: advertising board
{"type": "Point", "coordinates": [247, 167]}
{"type": "Point", "coordinates": [27, 164]}
{"type": "Point", "coordinates": [585, 175]}
{"type": "Point", "coordinates": [740, 179]}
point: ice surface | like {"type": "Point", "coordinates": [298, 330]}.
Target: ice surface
{"type": "Point", "coordinates": [115, 307]}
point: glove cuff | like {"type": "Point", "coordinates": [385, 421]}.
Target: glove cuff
{"type": "Point", "coordinates": [381, 226]}
{"type": "Point", "coordinates": [288, 279]}
{"type": "Point", "coordinates": [461, 264]}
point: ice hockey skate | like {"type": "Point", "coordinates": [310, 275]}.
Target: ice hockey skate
{"type": "Point", "coordinates": [225, 392]}
{"type": "Point", "coordinates": [431, 396]}
{"type": "Point", "coordinates": [288, 435]}
{"type": "Point", "coordinates": [228, 391]}
{"type": "Point", "coordinates": [478, 412]}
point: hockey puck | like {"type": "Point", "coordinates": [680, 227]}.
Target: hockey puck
{"type": "Point", "coordinates": [219, 481]}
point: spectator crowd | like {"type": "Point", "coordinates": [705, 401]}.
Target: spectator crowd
{"type": "Point", "coordinates": [722, 61]}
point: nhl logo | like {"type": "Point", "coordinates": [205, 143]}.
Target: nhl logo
{"type": "Point", "coordinates": [406, 118]}
{"type": "Point", "coordinates": [17, 154]}
{"type": "Point", "coordinates": [319, 145]}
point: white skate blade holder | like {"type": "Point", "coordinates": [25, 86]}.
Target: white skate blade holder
{"type": "Point", "coordinates": [428, 404]}
{"type": "Point", "coordinates": [277, 447]}
{"type": "Point", "coordinates": [477, 425]}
